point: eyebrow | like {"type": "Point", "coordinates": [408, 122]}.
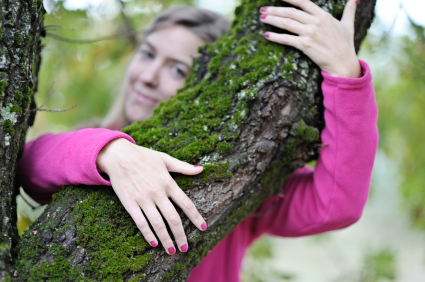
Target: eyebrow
{"type": "Point", "coordinates": [173, 59]}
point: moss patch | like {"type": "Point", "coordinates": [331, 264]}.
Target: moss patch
{"type": "Point", "coordinates": [8, 127]}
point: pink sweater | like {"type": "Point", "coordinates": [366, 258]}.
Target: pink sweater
{"type": "Point", "coordinates": [330, 197]}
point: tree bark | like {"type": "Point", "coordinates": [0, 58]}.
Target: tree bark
{"type": "Point", "coordinates": [21, 24]}
{"type": "Point", "coordinates": [251, 112]}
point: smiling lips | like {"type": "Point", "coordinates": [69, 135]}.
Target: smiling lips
{"type": "Point", "coordinates": [144, 99]}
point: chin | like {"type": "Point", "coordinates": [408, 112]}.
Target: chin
{"type": "Point", "coordinates": [137, 116]}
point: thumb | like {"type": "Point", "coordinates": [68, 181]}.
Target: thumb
{"type": "Point", "coordinates": [175, 165]}
{"type": "Point", "coordinates": [349, 14]}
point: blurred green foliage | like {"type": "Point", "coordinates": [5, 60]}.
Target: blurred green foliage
{"type": "Point", "coordinates": [379, 266]}
{"type": "Point", "coordinates": [256, 264]}
{"type": "Point", "coordinates": [400, 93]}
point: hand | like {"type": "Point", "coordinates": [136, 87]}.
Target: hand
{"type": "Point", "coordinates": [140, 178]}
{"type": "Point", "coordinates": [327, 41]}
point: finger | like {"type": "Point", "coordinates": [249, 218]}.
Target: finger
{"type": "Point", "coordinates": [291, 13]}
{"type": "Point", "coordinates": [284, 23]}
{"type": "Point", "coordinates": [285, 39]}
{"type": "Point", "coordinates": [174, 221]}
{"type": "Point", "coordinates": [175, 165]}
{"type": "Point", "coordinates": [141, 223]}
{"type": "Point", "coordinates": [307, 6]}
{"type": "Point", "coordinates": [349, 14]}
{"type": "Point", "coordinates": [186, 204]}
{"type": "Point", "coordinates": [158, 225]}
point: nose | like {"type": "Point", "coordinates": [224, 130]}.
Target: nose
{"type": "Point", "coordinates": [150, 75]}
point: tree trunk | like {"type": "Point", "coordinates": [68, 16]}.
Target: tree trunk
{"type": "Point", "coordinates": [251, 112]}
{"type": "Point", "coordinates": [21, 24]}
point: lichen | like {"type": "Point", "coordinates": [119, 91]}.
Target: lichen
{"type": "Point", "coordinates": [7, 113]}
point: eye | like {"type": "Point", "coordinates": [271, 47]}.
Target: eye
{"type": "Point", "coordinates": [147, 54]}
{"type": "Point", "coordinates": [179, 72]}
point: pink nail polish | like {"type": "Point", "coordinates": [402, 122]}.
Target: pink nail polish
{"type": "Point", "coordinates": [204, 226]}
{"type": "Point", "coordinates": [263, 9]}
{"type": "Point", "coordinates": [263, 16]}
{"type": "Point", "coordinates": [357, 1]}
{"type": "Point", "coordinates": [266, 35]}
{"type": "Point", "coordinates": [183, 248]}
{"type": "Point", "coordinates": [154, 244]}
{"type": "Point", "coordinates": [198, 166]}
{"type": "Point", "coordinates": [171, 251]}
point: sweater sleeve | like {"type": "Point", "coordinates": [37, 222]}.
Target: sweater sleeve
{"type": "Point", "coordinates": [54, 160]}
{"type": "Point", "coordinates": [333, 195]}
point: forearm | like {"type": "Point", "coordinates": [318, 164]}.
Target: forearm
{"type": "Point", "coordinates": [334, 194]}
{"type": "Point", "coordinates": [52, 161]}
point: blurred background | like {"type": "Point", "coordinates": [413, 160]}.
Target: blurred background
{"type": "Point", "coordinates": [387, 244]}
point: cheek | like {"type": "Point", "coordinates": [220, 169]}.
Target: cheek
{"type": "Point", "coordinates": [170, 88]}
{"type": "Point", "coordinates": [135, 68]}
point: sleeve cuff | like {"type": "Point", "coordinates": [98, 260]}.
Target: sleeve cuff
{"type": "Point", "coordinates": [109, 136]}
{"type": "Point", "coordinates": [350, 82]}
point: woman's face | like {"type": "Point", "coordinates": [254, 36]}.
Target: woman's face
{"type": "Point", "coordinates": [159, 69]}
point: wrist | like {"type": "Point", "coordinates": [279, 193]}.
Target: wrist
{"type": "Point", "coordinates": [352, 69]}
{"type": "Point", "coordinates": [107, 154]}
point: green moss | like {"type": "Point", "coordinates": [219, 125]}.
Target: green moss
{"type": "Point", "coordinates": [224, 148]}
{"type": "Point", "coordinates": [5, 180]}
{"type": "Point", "coordinates": [27, 40]}
{"type": "Point", "coordinates": [138, 278]}
{"type": "Point", "coordinates": [177, 267]}
{"type": "Point", "coordinates": [1, 32]}
{"type": "Point", "coordinates": [184, 182]}
{"type": "Point", "coordinates": [3, 85]}
{"type": "Point", "coordinates": [18, 38]}
{"type": "Point", "coordinates": [311, 134]}
{"type": "Point", "coordinates": [8, 128]}
{"type": "Point", "coordinates": [19, 96]}
{"type": "Point", "coordinates": [7, 277]}
{"type": "Point", "coordinates": [15, 109]}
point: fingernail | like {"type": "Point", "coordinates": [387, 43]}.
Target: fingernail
{"type": "Point", "coordinates": [183, 248]}
{"type": "Point", "coordinates": [204, 226]}
{"type": "Point", "coordinates": [263, 16]}
{"type": "Point", "coordinates": [263, 9]}
{"type": "Point", "coordinates": [198, 166]}
{"type": "Point", "coordinates": [171, 251]}
{"type": "Point", "coordinates": [154, 244]}
{"type": "Point", "coordinates": [357, 1]}
{"type": "Point", "coordinates": [266, 35]}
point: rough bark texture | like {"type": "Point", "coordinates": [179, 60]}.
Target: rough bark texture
{"type": "Point", "coordinates": [250, 112]}
{"type": "Point", "coordinates": [21, 23]}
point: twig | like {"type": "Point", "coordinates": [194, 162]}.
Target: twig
{"type": "Point", "coordinates": [40, 109]}
{"type": "Point", "coordinates": [128, 27]}
{"type": "Point", "coordinates": [56, 110]}
{"type": "Point", "coordinates": [53, 25]}
{"type": "Point", "coordinates": [83, 41]}
{"type": "Point", "coordinates": [48, 95]}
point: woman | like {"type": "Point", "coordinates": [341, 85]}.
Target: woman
{"type": "Point", "coordinates": [328, 198]}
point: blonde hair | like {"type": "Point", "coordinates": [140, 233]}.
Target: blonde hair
{"type": "Point", "coordinates": [208, 25]}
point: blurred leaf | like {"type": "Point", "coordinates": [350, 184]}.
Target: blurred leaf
{"type": "Point", "coordinates": [261, 249]}
{"type": "Point", "coordinates": [23, 223]}
{"type": "Point", "coordinates": [379, 266]}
